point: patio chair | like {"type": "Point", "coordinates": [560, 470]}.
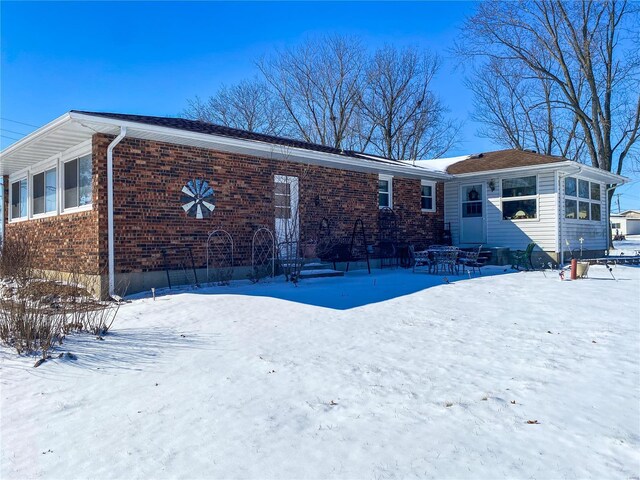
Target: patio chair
{"type": "Point", "coordinates": [420, 259]}
{"type": "Point", "coordinates": [471, 260]}
{"type": "Point", "coordinates": [522, 258]}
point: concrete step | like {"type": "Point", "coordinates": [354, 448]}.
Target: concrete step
{"type": "Point", "coordinates": [321, 273]}
{"type": "Point", "coordinates": [316, 266]}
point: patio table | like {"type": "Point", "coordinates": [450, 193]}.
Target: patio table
{"type": "Point", "coordinates": [438, 258]}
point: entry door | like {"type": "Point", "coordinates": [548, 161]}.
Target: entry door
{"type": "Point", "coordinates": [472, 218]}
{"type": "Point", "coordinates": [286, 213]}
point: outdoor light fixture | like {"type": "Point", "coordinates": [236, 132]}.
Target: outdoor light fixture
{"type": "Point", "coordinates": [492, 185]}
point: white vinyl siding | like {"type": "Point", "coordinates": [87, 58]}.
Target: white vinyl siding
{"type": "Point", "coordinates": [514, 234]}
{"type": "Point", "coordinates": [594, 233]}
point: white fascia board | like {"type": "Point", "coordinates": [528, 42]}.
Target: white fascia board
{"type": "Point", "coordinates": [569, 167]}
{"type": "Point", "coordinates": [54, 124]}
{"type": "Point", "coordinates": [265, 148]}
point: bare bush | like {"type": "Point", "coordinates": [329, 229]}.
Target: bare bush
{"type": "Point", "coordinates": [38, 309]}
{"type": "Point", "coordinates": [17, 259]}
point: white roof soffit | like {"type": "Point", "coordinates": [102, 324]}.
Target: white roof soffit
{"type": "Point", "coordinates": [53, 138]}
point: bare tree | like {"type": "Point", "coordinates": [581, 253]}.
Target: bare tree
{"type": "Point", "coordinates": [318, 85]}
{"type": "Point", "coordinates": [517, 110]}
{"type": "Point", "coordinates": [248, 105]}
{"type": "Point", "coordinates": [586, 50]}
{"type": "Point", "coordinates": [401, 118]}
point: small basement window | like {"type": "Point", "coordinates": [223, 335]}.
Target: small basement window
{"type": "Point", "coordinates": [427, 196]}
{"type": "Point", "coordinates": [385, 191]}
{"type": "Point", "coordinates": [19, 199]}
{"type": "Point", "coordinates": [44, 192]}
{"type": "Point", "coordinates": [520, 198]}
{"type": "Point", "coordinates": [78, 174]}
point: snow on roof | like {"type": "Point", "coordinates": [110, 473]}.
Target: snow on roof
{"type": "Point", "coordinates": [438, 164]}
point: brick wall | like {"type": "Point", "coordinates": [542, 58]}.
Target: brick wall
{"type": "Point", "coordinates": [148, 214]}
{"type": "Point", "coordinates": [417, 227]}
{"type": "Point", "coordinates": [149, 176]}
{"type": "Point", "coordinates": [68, 242]}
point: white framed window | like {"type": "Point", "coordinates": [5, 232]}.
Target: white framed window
{"type": "Point", "coordinates": [77, 177]}
{"type": "Point", "coordinates": [385, 191]}
{"type": "Point", "coordinates": [44, 192]}
{"type": "Point", "coordinates": [18, 192]}
{"type": "Point", "coordinates": [520, 198]}
{"type": "Point", "coordinates": [427, 196]}
{"type": "Point", "coordinates": [582, 199]}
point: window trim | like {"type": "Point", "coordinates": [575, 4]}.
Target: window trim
{"type": "Point", "coordinates": [17, 179]}
{"type": "Point", "coordinates": [76, 154]}
{"type": "Point", "coordinates": [577, 198]}
{"type": "Point", "coordinates": [535, 197]}
{"type": "Point", "coordinates": [56, 161]}
{"type": "Point", "coordinates": [388, 178]}
{"type": "Point", "coordinates": [43, 168]}
{"type": "Point", "coordinates": [432, 184]}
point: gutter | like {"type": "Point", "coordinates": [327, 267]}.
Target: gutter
{"type": "Point", "coordinates": [271, 150]}
{"type": "Point", "coordinates": [110, 228]}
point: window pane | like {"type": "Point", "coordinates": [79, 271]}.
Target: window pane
{"type": "Point", "coordinates": [583, 210]}
{"type": "Point", "coordinates": [282, 188]}
{"type": "Point", "coordinates": [71, 184]}
{"type": "Point", "coordinates": [472, 193]}
{"type": "Point", "coordinates": [283, 212]}
{"type": "Point", "coordinates": [383, 185]}
{"type": "Point", "coordinates": [570, 187]}
{"type": "Point", "coordinates": [283, 201]}
{"type": "Point", "coordinates": [519, 209]}
{"type": "Point", "coordinates": [519, 187]}
{"type": "Point", "coordinates": [383, 199]}
{"type": "Point", "coordinates": [50, 190]}
{"type": "Point", "coordinates": [23, 198]}
{"type": "Point", "coordinates": [595, 212]}
{"type": "Point", "coordinates": [571, 209]}
{"type": "Point", "coordinates": [472, 209]}
{"type": "Point", "coordinates": [426, 202]}
{"type": "Point", "coordinates": [85, 174]}
{"type": "Point", "coordinates": [15, 200]}
{"type": "Point", "coordinates": [595, 191]}
{"type": "Point", "coordinates": [583, 189]}
{"type": "Point", "coordinates": [38, 193]}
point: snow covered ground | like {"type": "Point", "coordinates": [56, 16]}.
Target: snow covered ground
{"type": "Point", "coordinates": [392, 375]}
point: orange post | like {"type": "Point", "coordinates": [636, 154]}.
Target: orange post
{"type": "Point", "coordinates": [574, 269]}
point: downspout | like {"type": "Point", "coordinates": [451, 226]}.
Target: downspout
{"type": "Point", "coordinates": [110, 229]}
{"type": "Point", "coordinates": [607, 213]}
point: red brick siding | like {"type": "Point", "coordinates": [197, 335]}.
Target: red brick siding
{"type": "Point", "coordinates": [149, 176]}
{"type": "Point", "coordinates": [67, 242]}
{"type": "Point", "coordinates": [417, 227]}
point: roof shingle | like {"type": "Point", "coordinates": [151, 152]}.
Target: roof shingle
{"type": "Point", "coordinates": [502, 159]}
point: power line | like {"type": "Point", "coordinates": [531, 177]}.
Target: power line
{"type": "Point", "coordinates": [13, 131]}
{"type": "Point", "coordinates": [16, 121]}
{"type": "Point", "coordinates": [10, 138]}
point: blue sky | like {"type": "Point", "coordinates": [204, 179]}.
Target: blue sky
{"type": "Point", "coordinates": [150, 57]}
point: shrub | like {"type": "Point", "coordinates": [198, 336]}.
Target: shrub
{"type": "Point", "coordinates": [38, 310]}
